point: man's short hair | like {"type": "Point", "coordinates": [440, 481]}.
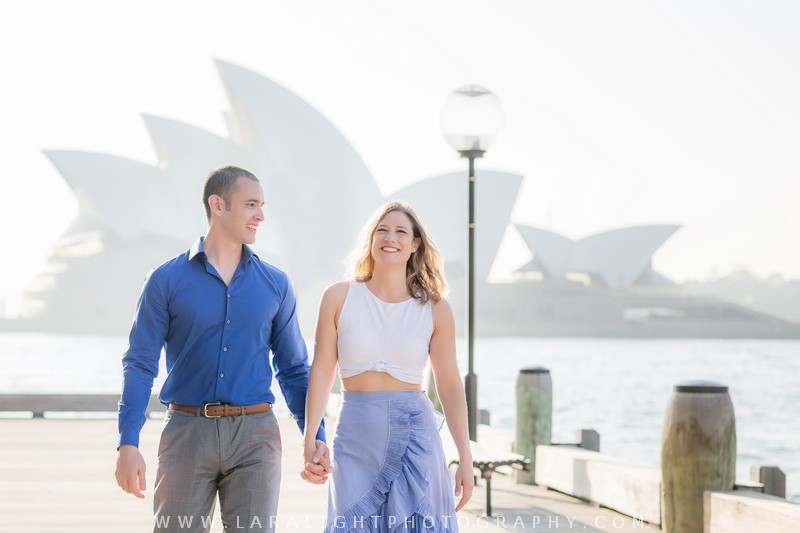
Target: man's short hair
{"type": "Point", "coordinates": [222, 182]}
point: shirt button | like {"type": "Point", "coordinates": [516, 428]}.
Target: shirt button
{"type": "Point", "coordinates": [222, 375]}
{"type": "Point", "coordinates": [229, 296]}
{"type": "Point", "coordinates": [227, 321]}
{"type": "Point", "coordinates": [225, 349]}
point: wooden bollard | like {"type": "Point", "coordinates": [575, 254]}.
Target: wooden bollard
{"type": "Point", "coordinates": [534, 416]}
{"type": "Point", "coordinates": [698, 452]}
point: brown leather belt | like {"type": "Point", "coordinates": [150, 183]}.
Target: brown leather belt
{"type": "Point", "coordinates": [218, 410]}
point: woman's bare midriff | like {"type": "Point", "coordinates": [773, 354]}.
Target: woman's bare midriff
{"type": "Point", "coordinates": [372, 381]}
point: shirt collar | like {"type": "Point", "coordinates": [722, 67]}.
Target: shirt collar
{"type": "Point", "coordinates": [247, 253]}
{"type": "Point", "coordinates": [197, 248]}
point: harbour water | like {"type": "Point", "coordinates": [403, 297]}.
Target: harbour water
{"type": "Point", "coordinates": [619, 387]}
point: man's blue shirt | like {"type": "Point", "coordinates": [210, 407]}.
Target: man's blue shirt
{"type": "Point", "coordinates": [217, 339]}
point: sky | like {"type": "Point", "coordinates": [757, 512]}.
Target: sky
{"type": "Point", "coordinates": [616, 113]}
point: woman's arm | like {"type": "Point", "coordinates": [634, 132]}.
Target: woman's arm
{"type": "Point", "coordinates": [323, 371]}
{"type": "Point", "coordinates": [451, 394]}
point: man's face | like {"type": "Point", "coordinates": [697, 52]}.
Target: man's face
{"type": "Point", "coordinates": [243, 214]}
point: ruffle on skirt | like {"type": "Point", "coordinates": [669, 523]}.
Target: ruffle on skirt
{"type": "Point", "coordinates": [398, 500]}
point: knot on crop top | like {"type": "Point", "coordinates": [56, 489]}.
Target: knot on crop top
{"type": "Point", "coordinates": [382, 336]}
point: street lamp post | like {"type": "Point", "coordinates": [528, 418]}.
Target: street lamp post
{"type": "Point", "coordinates": [471, 118]}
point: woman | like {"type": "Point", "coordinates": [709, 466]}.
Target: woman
{"type": "Point", "coordinates": [389, 471]}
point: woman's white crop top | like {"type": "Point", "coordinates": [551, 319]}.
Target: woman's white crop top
{"type": "Point", "coordinates": [381, 336]}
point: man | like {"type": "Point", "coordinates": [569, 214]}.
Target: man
{"type": "Point", "coordinates": [218, 310]}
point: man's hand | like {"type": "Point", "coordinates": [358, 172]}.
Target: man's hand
{"type": "Point", "coordinates": [317, 462]}
{"type": "Point", "coordinates": [131, 470]}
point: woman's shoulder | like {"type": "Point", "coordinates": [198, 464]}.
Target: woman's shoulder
{"type": "Point", "coordinates": [441, 309]}
{"type": "Point", "coordinates": [336, 293]}
{"type": "Point", "coordinates": [442, 317]}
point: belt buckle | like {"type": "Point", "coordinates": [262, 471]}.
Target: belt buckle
{"type": "Point", "coordinates": [205, 410]}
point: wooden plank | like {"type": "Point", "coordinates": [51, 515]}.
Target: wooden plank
{"type": "Point", "coordinates": [747, 511]}
{"type": "Point", "coordinates": [603, 479]}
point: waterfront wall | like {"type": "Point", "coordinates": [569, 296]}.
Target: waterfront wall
{"type": "Point", "coordinates": [694, 491]}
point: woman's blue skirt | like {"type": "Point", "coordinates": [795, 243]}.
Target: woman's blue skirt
{"type": "Point", "coordinates": [389, 470]}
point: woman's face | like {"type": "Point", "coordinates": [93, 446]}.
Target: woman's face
{"type": "Point", "coordinates": [393, 241]}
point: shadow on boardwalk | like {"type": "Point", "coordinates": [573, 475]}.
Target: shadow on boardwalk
{"type": "Point", "coordinates": [58, 476]}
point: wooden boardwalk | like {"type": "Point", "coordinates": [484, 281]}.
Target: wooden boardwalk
{"type": "Point", "coordinates": [58, 476]}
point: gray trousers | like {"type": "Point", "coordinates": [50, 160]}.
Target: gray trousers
{"type": "Point", "coordinates": [238, 457]}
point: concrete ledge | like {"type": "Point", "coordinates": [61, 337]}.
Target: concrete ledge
{"type": "Point", "coordinates": [38, 404]}
{"type": "Point", "coordinates": [748, 511]}
{"type": "Point", "coordinates": [631, 489]}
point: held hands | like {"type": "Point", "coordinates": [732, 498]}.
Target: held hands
{"type": "Point", "coordinates": [317, 462]}
{"type": "Point", "coordinates": [465, 483]}
{"type": "Point", "coordinates": [131, 470]}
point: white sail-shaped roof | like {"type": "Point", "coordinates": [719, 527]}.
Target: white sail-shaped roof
{"type": "Point", "coordinates": [127, 197]}
{"type": "Point", "coordinates": [552, 251]}
{"type": "Point", "coordinates": [619, 257]}
{"type": "Point", "coordinates": [622, 255]}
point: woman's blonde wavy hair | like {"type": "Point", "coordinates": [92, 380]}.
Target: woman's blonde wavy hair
{"type": "Point", "coordinates": [424, 270]}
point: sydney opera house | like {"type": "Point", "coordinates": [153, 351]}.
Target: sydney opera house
{"type": "Point", "coordinates": [134, 216]}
